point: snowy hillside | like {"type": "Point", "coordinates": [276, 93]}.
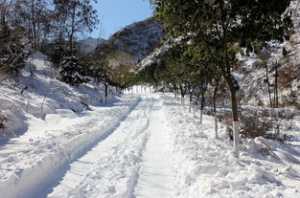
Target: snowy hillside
{"type": "Point", "coordinates": [36, 92]}
{"type": "Point", "coordinates": [253, 72]}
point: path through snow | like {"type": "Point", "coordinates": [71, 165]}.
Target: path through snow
{"type": "Point", "coordinates": [156, 175]}
{"type": "Point", "coordinates": [125, 164]}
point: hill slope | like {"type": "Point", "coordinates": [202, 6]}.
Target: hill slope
{"type": "Point", "coordinates": [36, 92]}
{"type": "Point", "coordinates": [137, 40]}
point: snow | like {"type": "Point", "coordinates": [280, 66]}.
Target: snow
{"type": "Point", "coordinates": [134, 161]}
{"type": "Point", "coordinates": [109, 169]}
{"type": "Point", "coordinates": [156, 174]}
{"type": "Point", "coordinates": [157, 54]}
{"type": "Point", "coordinates": [144, 147]}
{"type": "Point", "coordinates": [33, 161]}
{"type": "Point", "coordinates": [206, 167]}
{"type": "Point", "coordinates": [37, 92]}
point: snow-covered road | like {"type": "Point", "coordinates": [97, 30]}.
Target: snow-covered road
{"type": "Point", "coordinates": [156, 175]}
{"type": "Point", "coordinates": [31, 164]}
{"type": "Point", "coordinates": [152, 147]}
{"type": "Point", "coordinates": [134, 161]}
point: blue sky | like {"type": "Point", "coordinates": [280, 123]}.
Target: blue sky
{"type": "Point", "coordinates": [116, 14]}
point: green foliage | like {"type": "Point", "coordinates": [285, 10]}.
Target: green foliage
{"type": "Point", "coordinates": [118, 66]}
{"type": "Point", "coordinates": [236, 20]}
{"type": "Point", "coordinates": [217, 30]}
{"type": "Point", "coordinates": [221, 26]}
{"type": "Point", "coordinates": [12, 49]}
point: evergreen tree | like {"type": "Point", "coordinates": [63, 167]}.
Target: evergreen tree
{"type": "Point", "coordinates": [71, 71]}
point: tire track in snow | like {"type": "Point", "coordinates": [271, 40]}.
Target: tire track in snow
{"type": "Point", "coordinates": [111, 168]}
{"type": "Point", "coordinates": [156, 176]}
{"type": "Point", "coordinates": [35, 178]}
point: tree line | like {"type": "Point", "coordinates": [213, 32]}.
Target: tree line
{"type": "Point", "coordinates": [42, 21]}
{"type": "Point", "coordinates": [211, 34]}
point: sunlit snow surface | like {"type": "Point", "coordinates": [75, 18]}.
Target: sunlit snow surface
{"type": "Point", "coordinates": [152, 147]}
{"type": "Point", "coordinates": [206, 166]}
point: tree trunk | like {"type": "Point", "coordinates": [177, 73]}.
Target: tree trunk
{"type": "Point", "coordinates": [190, 97]}
{"type": "Point", "coordinates": [268, 84]}
{"type": "Point", "coordinates": [72, 29]}
{"type": "Point", "coordinates": [3, 13]}
{"type": "Point", "coordinates": [234, 87]}
{"type": "Point", "coordinates": [191, 102]}
{"type": "Point", "coordinates": [215, 110]}
{"type": "Point", "coordinates": [106, 93]}
{"type": "Point", "coordinates": [236, 121]}
{"type": "Point", "coordinates": [202, 104]}
{"type": "Point", "coordinates": [175, 91]}
{"type": "Point", "coordinates": [33, 25]}
{"type": "Point", "coordinates": [196, 105]}
{"type": "Point", "coordinates": [182, 94]}
{"type": "Point", "coordinates": [276, 102]}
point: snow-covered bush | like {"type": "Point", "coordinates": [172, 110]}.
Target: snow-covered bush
{"type": "Point", "coordinates": [253, 126]}
{"type": "Point", "coordinates": [71, 71]}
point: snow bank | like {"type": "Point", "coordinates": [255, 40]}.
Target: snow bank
{"type": "Point", "coordinates": [206, 166]}
{"type": "Point", "coordinates": [34, 161]}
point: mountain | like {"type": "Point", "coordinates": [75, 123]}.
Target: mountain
{"type": "Point", "coordinates": [138, 40]}
{"type": "Point", "coordinates": [89, 44]}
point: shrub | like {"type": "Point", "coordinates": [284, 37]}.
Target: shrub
{"type": "Point", "coordinates": [3, 120]}
{"type": "Point", "coordinates": [252, 126]}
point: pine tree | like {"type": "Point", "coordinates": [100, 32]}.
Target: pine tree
{"type": "Point", "coordinates": [71, 71]}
